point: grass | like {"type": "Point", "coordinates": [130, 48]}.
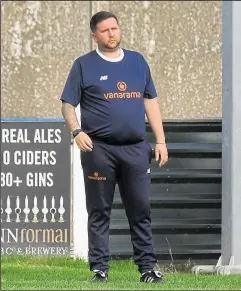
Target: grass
{"type": "Point", "coordinates": [61, 273]}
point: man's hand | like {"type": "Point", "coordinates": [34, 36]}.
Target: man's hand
{"type": "Point", "coordinates": [161, 153]}
{"type": "Point", "coordinates": [84, 142]}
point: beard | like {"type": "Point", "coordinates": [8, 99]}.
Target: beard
{"type": "Point", "coordinates": [112, 46]}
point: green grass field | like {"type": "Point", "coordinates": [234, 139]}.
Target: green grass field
{"type": "Point", "coordinates": [59, 273]}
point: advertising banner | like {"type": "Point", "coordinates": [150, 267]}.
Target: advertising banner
{"type": "Point", "coordinates": [35, 188]}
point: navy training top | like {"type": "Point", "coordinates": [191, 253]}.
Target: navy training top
{"type": "Point", "coordinates": [111, 95]}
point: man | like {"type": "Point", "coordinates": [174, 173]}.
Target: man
{"type": "Point", "coordinates": [115, 90]}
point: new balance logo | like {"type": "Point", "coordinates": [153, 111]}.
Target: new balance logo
{"type": "Point", "coordinates": [103, 78]}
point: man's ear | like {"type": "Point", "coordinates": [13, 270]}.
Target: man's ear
{"type": "Point", "coordinates": [94, 37]}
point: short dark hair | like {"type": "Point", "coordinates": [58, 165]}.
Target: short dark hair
{"type": "Point", "coordinates": [100, 16]}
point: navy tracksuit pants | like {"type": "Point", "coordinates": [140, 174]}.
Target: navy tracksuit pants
{"type": "Point", "coordinates": [128, 166]}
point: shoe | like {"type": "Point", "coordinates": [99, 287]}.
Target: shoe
{"type": "Point", "coordinates": [152, 277]}
{"type": "Point", "coordinates": [100, 277]}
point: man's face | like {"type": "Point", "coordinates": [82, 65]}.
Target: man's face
{"type": "Point", "coordinates": [107, 34]}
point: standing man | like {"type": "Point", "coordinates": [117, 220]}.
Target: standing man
{"type": "Point", "coordinates": [114, 88]}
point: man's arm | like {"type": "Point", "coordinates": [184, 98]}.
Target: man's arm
{"type": "Point", "coordinates": [68, 112]}
{"type": "Point", "coordinates": [83, 141]}
{"type": "Point", "coordinates": [154, 117]}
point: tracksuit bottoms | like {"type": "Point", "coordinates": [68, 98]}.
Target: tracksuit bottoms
{"type": "Point", "coordinates": [128, 166]}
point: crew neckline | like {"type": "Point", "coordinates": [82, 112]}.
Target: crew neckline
{"type": "Point", "coordinates": [113, 60]}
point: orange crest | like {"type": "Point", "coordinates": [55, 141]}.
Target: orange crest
{"type": "Point", "coordinates": [121, 86]}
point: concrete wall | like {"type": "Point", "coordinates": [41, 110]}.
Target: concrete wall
{"type": "Point", "coordinates": [180, 40]}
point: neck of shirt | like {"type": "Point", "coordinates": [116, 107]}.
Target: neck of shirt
{"type": "Point", "coordinates": [117, 59]}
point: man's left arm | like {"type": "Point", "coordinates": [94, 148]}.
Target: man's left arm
{"type": "Point", "coordinates": [153, 114]}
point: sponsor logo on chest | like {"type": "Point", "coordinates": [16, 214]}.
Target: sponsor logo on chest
{"type": "Point", "coordinates": [122, 92]}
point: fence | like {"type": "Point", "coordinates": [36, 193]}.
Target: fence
{"type": "Point", "coordinates": [185, 197]}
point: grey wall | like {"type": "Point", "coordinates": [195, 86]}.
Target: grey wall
{"type": "Point", "coordinates": [180, 40]}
